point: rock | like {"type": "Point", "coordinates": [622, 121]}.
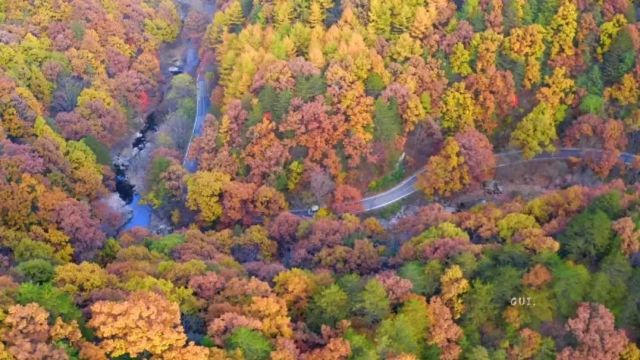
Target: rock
{"type": "Point", "coordinates": [118, 206]}
{"type": "Point", "coordinates": [162, 229]}
{"type": "Point", "coordinates": [120, 162]}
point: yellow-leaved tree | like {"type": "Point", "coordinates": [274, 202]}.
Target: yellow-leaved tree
{"type": "Point", "coordinates": [145, 321]}
{"type": "Point", "coordinates": [459, 109]}
{"type": "Point", "coordinates": [453, 285]}
{"type": "Point", "coordinates": [204, 189]}
{"type": "Point", "coordinates": [536, 132]}
{"type": "Point", "coordinates": [526, 45]}
{"type": "Point", "coordinates": [563, 28]}
{"type": "Point", "coordinates": [446, 172]}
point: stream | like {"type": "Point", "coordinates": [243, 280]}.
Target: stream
{"type": "Point", "coordinates": [141, 214]}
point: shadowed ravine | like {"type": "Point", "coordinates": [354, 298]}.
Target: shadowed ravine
{"type": "Point", "coordinates": [141, 214]}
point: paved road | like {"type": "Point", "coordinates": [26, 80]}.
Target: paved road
{"type": "Point", "coordinates": [505, 159]}
{"type": "Point", "coordinates": [408, 186]}
{"type": "Point", "coordinates": [202, 108]}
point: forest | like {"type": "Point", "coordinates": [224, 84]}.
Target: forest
{"type": "Point", "coordinates": [266, 248]}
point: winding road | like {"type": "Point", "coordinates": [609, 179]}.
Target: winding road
{"type": "Point", "coordinates": [202, 108]}
{"type": "Point", "coordinates": [408, 186]}
{"type": "Point", "coordinates": [504, 159]}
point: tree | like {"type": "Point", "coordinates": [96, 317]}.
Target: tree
{"type": "Point", "coordinates": [410, 106]}
{"type": "Point", "coordinates": [315, 128]}
{"type": "Point", "coordinates": [446, 172]}
{"type": "Point", "coordinates": [528, 345]}
{"type": "Point", "coordinates": [253, 244]}
{"type": "Point", "coordinates": [423, 21]}
{"type": "Point", "coordinates": [443, 331]}
{"type": "Point", "coordinates": [398, 289]}
{"type": "Point", "coordinates": [86, 174]}
{"type": "Point", "coordinates": [526, 45]}
{"type": "Point", "coordinates": [361, 347]}
{"type": "Point", "coordinates": [27, 322]}
{"type": "Point", "coordinates": [165, 28]}
{"type": "Point", "coordinates": [494, 90]}
{"type": "Point", "coordinates": [460, 60]}
{"type": "Point", "coordinates": [203, 193]}
{"type": "Point", "coordinates": [558, 89]}
{"type": "Point", "coordinates": [380, 17]}
{"type": "Point", "coordinates": [630, 351]}
{"type": "Point", "coordinates": [206, 285]}
{"type": "Point", "coordinates": [459, 110]}
{"type": "Point", "coordinates": [347, 199]}
{"type": "Point", "coordinates": [284, 227]}
{"type": "Point", "coordinates": [170, 185]}
{"type": "Point", "coordinates": [145, 321]}
{"type": "Point", "coordinates": [316, 17]}
{"type": "Point", "coordinates": [295, 286]}
{"type": "Point", "coordinates": [416, 274]}
{"type": "Point", "coordinates": [103, 116]}
{"type": "Point", "coordinates": [268, 201]}
{"type": "Point", "coordinates": [336, 349]}
{"type": "Point", "coordinates": [406, 47]}
{"type": "Point", "coordinates": [265, 154]}
{"type": "Point", "coordinates": [36, 270]}
{"type": "Point", "coordinates": [625, 228]}
{"type": "Point", "coordinates": [272, 311]}
{"type": "Point", "coordinates": [618, 57]}
{"type": "Point", "coordinates": [593, 131]}
{"type": "Point", "coordinates": [509, 225]}
{"type": "Point", "coordinates": [237, 202]}
{"type": "Point", "coordinates": [253, 345]}
{"type": "Point", "coordinates": [453, 285]}
{"type": "Point", "coordinates": [592, 104]}
{"type": "Point", "coordinates": [609, 285]}
{"type": "Point", "coordinates": [373, 303]}
{"type": "Point", "coordinates": [195, 24]}
{"type": "Point", "coordinates": [283, 14]}
{"type": "Point", "coordinates": [277, 75]}
{"type": "Point", "coordinates": [626, 92]}
{"type": "Point", "coordinates": [537, 277]}
{"type": "Point", "coordinates": [223, 325]}
{"type": "Point", "coordinates": [365, 257]}
{"type": "Point", "coordinates": [594, 328]}
{"type": "Point", "coordinates": [328, 307]}
{"type": "Point", "coordinates": [71, 125]}
{"type": "Point", "coordinates": [472, 12]}
{"type": "Point", "coordinates": [233, 14]}
{"type": "Point", "coordinates": [563, 30]}
{"type": "Point", "coordinates": [487, 44]}
{"type": "Point", "coordinates": [477, 152]}
{"type": "Point", "coordinates": [570, 284]}
{"type": "Point", "coordinates": [65, 96]}
{"type": "Point", "coordinates": [480, 304]}
{"type": "Point", "coordinates": [587, 237]}
{"type": "Point", "coordinates": [346, 90]}
{"type": "Point", "coordinates": [405, 332]}
{"type": "Point", "coordinates": [536, 132]}
{"type": "Point", "coordinates": [191, 351]}
{"type": "Point", "coordinates": [204, 147]}
{"type": "Point", "coordinates": [55, 301]}
{"type": "Point", "coordinates": [28, 334]}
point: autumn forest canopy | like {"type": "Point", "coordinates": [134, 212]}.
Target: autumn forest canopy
{"type": "Point", "coordinates": [520, 118]}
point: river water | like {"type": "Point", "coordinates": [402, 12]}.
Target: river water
{"type": "Point", "coordinates": [141, 214]}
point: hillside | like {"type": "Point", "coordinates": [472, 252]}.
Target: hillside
{"type": "Point", "coordinates": [319, 180]}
